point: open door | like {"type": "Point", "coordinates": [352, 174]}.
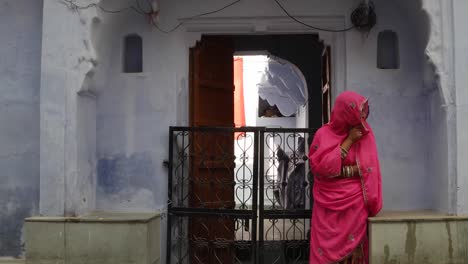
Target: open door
{"type": "Point", "coordinates": [326, 84]}
{"type": "Point", "coordinates": [212, 153]}
{"type": "Point", "coordinates": [212, 83]}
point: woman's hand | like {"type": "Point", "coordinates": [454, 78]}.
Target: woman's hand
{"type": "Point", "coordinates": [355, 134]}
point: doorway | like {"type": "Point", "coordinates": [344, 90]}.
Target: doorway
{"type": "Point", "coordinates": [231, 196]}
{"type": "Point", "coordinates": [214, 55]}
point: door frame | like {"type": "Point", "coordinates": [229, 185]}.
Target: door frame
{"type": "Point", "coordinates": [306, 55]}
{"type": "Point", "coordinates": [195, 28]}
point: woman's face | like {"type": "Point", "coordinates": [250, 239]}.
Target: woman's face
{"type": "Point", "coordinates": [365, 111]}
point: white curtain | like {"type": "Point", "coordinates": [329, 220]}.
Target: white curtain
{"type": "Point", "coordinates": [283, 85]}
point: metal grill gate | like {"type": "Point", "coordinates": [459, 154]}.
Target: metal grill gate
{"type": "Point", "coordinates": [238, 195]}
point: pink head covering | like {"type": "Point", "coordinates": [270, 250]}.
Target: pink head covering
{"type": "Point", "coordinates": [341, 206]}
{"type": "Point", "coordinates": [348, 112]}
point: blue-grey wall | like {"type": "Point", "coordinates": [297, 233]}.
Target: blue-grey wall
{"type": "Point", "coordinates": [132, 120]}
{"type": "Point", "coordinates": [135, 110]}
{"type": "Point", "coordinates": [20, 60]}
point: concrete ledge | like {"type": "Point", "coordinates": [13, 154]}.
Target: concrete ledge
{"type": "Point", "coordinates": [418, 237]}
{"type": "Point", "coordinates": [11, 261]}
{"type": "Point", "coordinates": [411, 216]}
{"type": "Point", "coordinates": [100, 217]}
{"type": "Point", "coordinates": [100, 237]}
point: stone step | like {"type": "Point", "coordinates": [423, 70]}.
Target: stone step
{"type": "Point", "coordinates": [100, 237]}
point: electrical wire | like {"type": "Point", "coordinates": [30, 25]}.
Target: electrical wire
{"type": "Point", "coordinates": [139, 7]}
{"type": "Point", "coordinates": [73, 5]}
{"type": "Point", "coordinates": [310, 26]}
{"type": "Point", "coordinates": [193, 17]}
{"type": "Point", "coordinates": [359, 16]}
{"type": "Point", "coordinates": [139, 10]}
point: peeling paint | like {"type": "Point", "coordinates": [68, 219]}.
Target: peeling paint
{"type": "Point", "coordinates": [126, 182]}
{"type": "Point", "coordinates": [387, 259]}
{"type": "Point", "coordinates": [119, 172]}
{"type": "Point", "coordinates": [20, 64]}
{"type": "Point", "coordinates": [15, 205]}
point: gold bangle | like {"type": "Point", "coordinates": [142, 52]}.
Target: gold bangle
{"type": "Point", "coordinates": [344, 150]}
{"type": "Point", "coordinates": [344, 153]}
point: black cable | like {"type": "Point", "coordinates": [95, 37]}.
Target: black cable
{"type": "Point", "coordinates": [310, 26]}
{"type": "Point", "coordinates": [140, 11]}
{"type": "Point", "coordinates": [193, 17]}
{"type": "Point", "coordinates": [359, 16]}
{"type": "Point", "coordinates": [121, 10]}
{"type": "Point", "coordinates": [149, 3]}
{"type": "Point", "coordinates": [75, 6]}
{"type": "Point", "coordinates": [139, 7]}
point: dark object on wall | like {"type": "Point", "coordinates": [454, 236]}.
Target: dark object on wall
{"type": "Point", "coordinates": [133, 54]}
{"type": "Point", "coordinates": [364, 17]}
{"type": "Point", "coordinates": [388, 53]}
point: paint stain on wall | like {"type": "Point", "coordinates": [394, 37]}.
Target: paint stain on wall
{"type": "Point", "coordinates": [450, 242]}
{"type": "Point", "coordinates": [411, 242]}
{"type": "Point", "coordinates": [387, 258]}
{"type": "Point", "coordinates": [15, 204]}
{"type": "Point", "coordinates": [126, 182]}
{"type": "Point", "coordinates": [120, 172]}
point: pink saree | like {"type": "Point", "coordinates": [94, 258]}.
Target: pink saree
{"type": "Point", "coordinates": [342, 205]}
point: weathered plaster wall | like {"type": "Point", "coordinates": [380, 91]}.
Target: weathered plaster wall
{"type": "Point", "coordinates": [438, 152]}
{"type": "Point", "coordinates": [134, 111]}
{"type": "Point", "coordinates": [133, 114]}
{"type": "Point", "coordinates": [437, 126]}
{"type": "Point", "coordinates": [442, 127]}
{"type": "Point", "coordinates": [67, 162]}
{"type": "Point", "coordinates": [460, 39]}
{"type": "Point", "coordinates": [398, 107]}
{"type": "Point", "coordinates": [20, 54]}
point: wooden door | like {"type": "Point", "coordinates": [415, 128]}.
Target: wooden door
{"type": "Point", "coordinates": [326, 84]}
{"type": "Point", "coordinates": [212, 153]}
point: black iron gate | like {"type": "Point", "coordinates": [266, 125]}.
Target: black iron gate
{"type": "Point", "coordinates": [239, 195]}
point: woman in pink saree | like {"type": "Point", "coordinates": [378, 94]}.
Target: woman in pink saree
{"type": "Point", "coordinates": [347, 183]}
